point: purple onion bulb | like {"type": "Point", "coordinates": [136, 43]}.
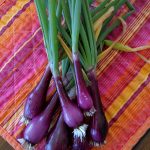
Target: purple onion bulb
{"type": "Point", "coordinates": [83, 96]}
{"type": "Point", "coordinates": [71, 113]}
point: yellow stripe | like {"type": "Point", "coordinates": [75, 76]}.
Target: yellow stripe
{"type": "Point", "coordinates": [12, 12]}
{"type": "Point", "coordinates": [128, 92]}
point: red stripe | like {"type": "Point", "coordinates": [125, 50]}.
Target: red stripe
{"type": "Point", "coordinates": [116, 70]}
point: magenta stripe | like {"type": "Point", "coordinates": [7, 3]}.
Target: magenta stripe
{"type": "Point", "coordinates": [5, 6]}
{"type": "Point", "coordinates": [113, 120]}
{"type": "Point", "coordinates": [15, 17]}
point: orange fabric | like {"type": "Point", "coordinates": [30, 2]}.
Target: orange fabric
{"type": "Point", "coordinates": [124, 78]}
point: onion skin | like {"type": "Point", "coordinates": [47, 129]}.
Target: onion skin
{"type": "Point", "coordinates": [38, 128]}
{"type": "Point", "coordinates": [84, 99]}
{"type": "Point", "coordinates": [99, 124]}
{"type": "Point", "coordinates": [36, 101]}
{"type": "Point", "coordinates": [59, 138]}
{"type": "Point", "coordinates": [73, 116]}
{"type": "Point", "coordinates": [80, 145]}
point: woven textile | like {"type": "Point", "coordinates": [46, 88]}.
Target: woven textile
{"type": "Point", "coordinates": [124, 78]}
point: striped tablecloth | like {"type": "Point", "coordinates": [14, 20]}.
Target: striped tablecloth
{"type": "Point", "coordinates": [124, 78]}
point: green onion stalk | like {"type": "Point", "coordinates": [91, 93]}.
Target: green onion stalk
{"type": "Point", "coordinates": [36, 101]}
{"type": "Point", "coordinates": [49, 28]}
{"type": "Point", "coordinates": [71, 113]}
{"type": "Point", "coordinates": [73, 22]}
{"type": "Point", "coordinates": [87, 54]}
{"type": "Point", "coordinates": [99, 125]}
{"type": "Point", "coordinates": [79, 35]}
{"type": "Point", "coordinates": [86, 51]}
{"type": "Point", "coordinates": [106, 29]}
{"type": "Point", "coordinates": [83, 96]}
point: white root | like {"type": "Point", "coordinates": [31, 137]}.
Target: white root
{"type": "Point", "coordinates": [21, 141]}
{"type": "Point", "coordinates": [24, 120]}
{"type": "Point", "coordinates": [25, 144]}
{"type": "Point", "coordinates": [90, 113]}
{"type": "Point", "coordinates": [97, 144]}
{"type": "Point", "coordinates": [80, 132]}
{"type": "Point", "coordinates": [28, 146]}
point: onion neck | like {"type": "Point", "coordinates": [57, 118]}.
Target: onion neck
{"type": "Point", "coordinates": [78, 72]}
{"type": "Point", "coordinates": [61, 91]}
{"type": "Point", "coordinates": [99, 122]}
{"type": "Point", "coordinates": [94, 89]}
{"type": "Point", "coordinates": [49, 111]}
{"type": "Point", "coordinates": [44, 83]}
